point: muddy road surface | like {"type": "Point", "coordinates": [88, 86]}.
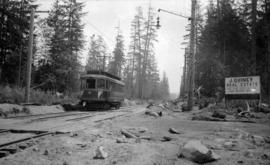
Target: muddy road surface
{"type": "Point", "coordinates": [130, 136]}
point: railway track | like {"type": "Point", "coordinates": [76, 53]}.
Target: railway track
{"type": "Point", "coordinates": [100, 113]}
{"type": "Point", "coordinates": [84, 124]}
{"type": "Point", "coordinates": [64, 114]}
{"type": "Point", "coordinates": [24, 138]}
{"type": "Point", "coordinates": [19, 144]}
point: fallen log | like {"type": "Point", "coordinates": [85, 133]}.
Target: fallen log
{"type": "Point", "coordinates": [128, 134]}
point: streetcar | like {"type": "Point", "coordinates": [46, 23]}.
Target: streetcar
{"type": "Point", "coordinates": [101, 90]}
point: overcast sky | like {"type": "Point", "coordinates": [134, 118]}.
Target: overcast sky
{"type": "Point", "coordinates": [103, 16]}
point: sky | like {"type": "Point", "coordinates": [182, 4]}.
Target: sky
{"type": "Point", "coordinates": [103, 16]}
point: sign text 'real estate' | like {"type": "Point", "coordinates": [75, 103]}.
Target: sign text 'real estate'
{"type": "Point", "coordinates": [242, 85]}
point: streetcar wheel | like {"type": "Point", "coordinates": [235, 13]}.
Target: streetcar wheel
{"type": "Point", "coordinates": [117, 106]}
{"type": "Point", "coordinates": [107, 106]}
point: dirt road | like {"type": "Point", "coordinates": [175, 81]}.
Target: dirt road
{"type": "Point", "coordinates": [152, 142]}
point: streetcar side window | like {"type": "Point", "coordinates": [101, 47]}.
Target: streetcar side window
{"type": "Point", "coordinates": [83, 84]}
{"type": "Point", "coordinates": [101, 83]}
{"type": "Point", "coordinates": [91, 83]}
{"type": "Point", "coordinates": [108, 85]}
{"type": "Point", "coordinates": [113, 86]}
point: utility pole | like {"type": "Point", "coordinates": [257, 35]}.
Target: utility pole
{"type": "Point", "coordinates": [192, 54]}
{"type": "Point", "coordinates": [253, 33]}
{"type": "Point", "coordinates": [29, 57]}
{"type": "Point", "coordinates": [30, 53]}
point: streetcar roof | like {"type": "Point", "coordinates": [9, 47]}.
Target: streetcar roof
{"type": "Point", "coordinates": [101, 77]}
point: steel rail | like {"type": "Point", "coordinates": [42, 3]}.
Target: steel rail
{"type": "Point", "coordinates": [5, 130]}
{"type": "Point", "coordinates": [80, 118]}
{"type": "Point", "coordinates": [25, 139]}
{"type": "Point", "coordinates": [28, 116]}
{"type": "Point", "coordinates": [49, 117]}
{"type": "Point", "coordinates": [88, 116]}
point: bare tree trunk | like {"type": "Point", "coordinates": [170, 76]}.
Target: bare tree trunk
{"type": "Point", "coordinates": [0, 74]}
{"type": "Point", "coordinates": [266, 3]}
{"type": "Point", "coordinates": [268, 74]}
{"type": "Point", "coordinates": [132, 72]}
{"type": "Point", "coordinates": [139, 62]}
{"type": "Point", "coordinates": [146, 51]}
{"type": "Point", "coordinates": [184, 76]}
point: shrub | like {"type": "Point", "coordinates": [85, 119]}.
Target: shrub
{"type": "Point", "coordinates": [16, 95]}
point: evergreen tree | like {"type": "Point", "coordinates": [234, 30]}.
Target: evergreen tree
{"type": "Point", "coordinates": [263, 48]}
{"type": "Point", "coordinates": [118, 56]}
{"type": "Point", "coordinates": [149, 38]}
{"type": "Point", "coordinates": [14, 34]}
{"type": "Point", "coordinates": [164, 87]}
{"type": "Point", "coordinates": [218, 56]}
{"type": "Point", "coordinates": [135, 53]}
{"type": "Point", "coordinates": [97, 51]}
{"type": "Point", "coordinates": [66, 43]}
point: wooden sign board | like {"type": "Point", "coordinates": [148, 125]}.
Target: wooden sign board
{"type": "Point", "coordinates": [242, 87]}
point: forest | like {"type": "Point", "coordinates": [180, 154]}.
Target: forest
{"type": "Point", "coordinates": [232, 40]}
{"type": "Point", "coordinates": [59, 42]}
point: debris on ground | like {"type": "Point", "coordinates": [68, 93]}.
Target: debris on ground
{"type": "Point", "coordinates": [222, 112]}
{"type": "Point", "coordinates": [162, 106]}
{"type": "Point", "coordinates": [265, 156]}
{"type": "Point", "coordinates": [136, 130]}
{"type": "Point", "coordinates": [35, 149]}
{"type": "Point", "coordinates": [203, 103]}
{"type": "Point", "coordinates": [121, 140]}
{"type": "Point", "coordinates": [128, 134]}
{"type": "Point", "coordinates": [46, 152]}
{"type": "Point", "coordinates": [146, 138]}
{"type": "Point", "coordinates": [174, 131]}
{"type": "Point", "coordinates": [245, 114]}
{"type": "Point", "coordinates": [155, 114]}
{"type": "Point", "coordinates": [206, 118]}
{"type": "Point", "coordinates": [195, 151]}
{"type": "Point", "coordinates": [218, 114]}
{"type": "Point", "coordinates": [257, 140]}
{"type": "Point", "coordinates": [160, 113]}
{"type": "Point", "coordinates": [267, 139]}
{"type": "Point", "coordinates": [150, 140]}
{"type": "Point", "coordinates": [149, 105]}
{"type": "Point", "coordinates": [263, 107]}
{"type": "Point", "coordinates": [254, 139]}
{"type": "Point", "coordinates": [185, 107]}
{"type": "Point", "coordinates": [100, 153]}
{"type": "Point", "coordinates": [72, 134]}
{"type": "Point", "coordinates": [231, 145]}
{"type": "Point", "coordinates": [248, 154]}
{"type": "Point", "coordinates": [166, 139]}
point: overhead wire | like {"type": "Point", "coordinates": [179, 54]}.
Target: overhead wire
{"type": "Point", "coordinates": [107, 39]}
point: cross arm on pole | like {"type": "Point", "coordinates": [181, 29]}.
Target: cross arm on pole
{"type": "Point", "coordinates": [170, 12]}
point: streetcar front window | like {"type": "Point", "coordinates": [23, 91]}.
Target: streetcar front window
{"type": "Point", "coordinates": [91, 83]}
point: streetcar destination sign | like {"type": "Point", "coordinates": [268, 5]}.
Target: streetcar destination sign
{"type": "Point", "coordinates": [243, 87]}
